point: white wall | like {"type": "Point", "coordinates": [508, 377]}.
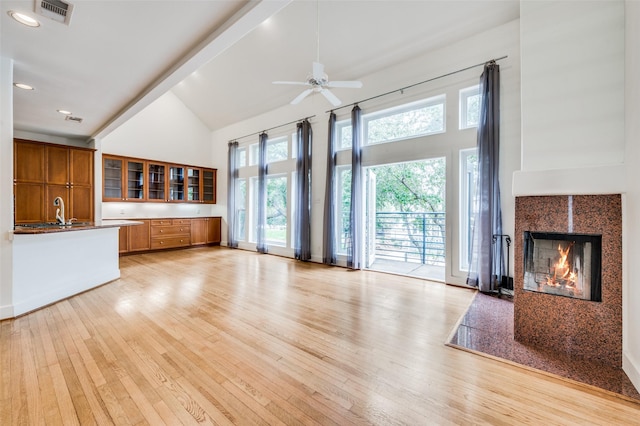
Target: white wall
{"type": "Point", "coordinates": [6, 187]}
{"type": "Point", "coordinates": [572, 97]}
{"type": "Point", "coordinates": [495, 43]}
{"type": "Point", "coordinates": [165, 131]}
{"type": "Point", "coordinates": [631, 204]}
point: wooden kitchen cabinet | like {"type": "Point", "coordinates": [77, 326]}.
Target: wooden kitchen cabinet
{"type": "Point", "coordinates": [214, 230]}
{"type": "Point", "coordinates": [170, 233]}
{"type": "Point", "coordinates": [59, 171]}
{"type": "Point", "coordinates": [123, 239]}
{"type": "Point", "coordinates": [139, 238]}
{"type": "Point", "coordinates": [199, 231]}
{"type": "Point", "coordinates": [134, 179]}
{"type": "Point", "coordinates": [157, 182]}
{"type": "Point", "coordinates": [112, 178]}
{"type": "Point", "coordinates": [28, 161]}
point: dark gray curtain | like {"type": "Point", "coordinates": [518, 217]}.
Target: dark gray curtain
{"type": "Point", "coordinates": [329, 247]}
{"type": "Point", "coordinates": [486, 267]}
{"type": "Point", "coordinates": [232, 176]}
{"type": "Point", "coordinates": [302, 249]}
{"type": "Point", "coordinates": [261, 245]}
{"type": "Point", "coordinates": [354, 253]}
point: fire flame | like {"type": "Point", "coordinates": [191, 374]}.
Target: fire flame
{"type": "Point", "coordinates": [562, 270]}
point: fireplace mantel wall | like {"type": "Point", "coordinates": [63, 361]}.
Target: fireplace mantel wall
{"type": "Point", "coordinates": [590, 330]}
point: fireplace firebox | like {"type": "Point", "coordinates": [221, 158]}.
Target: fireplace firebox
{"type": "Point", "coordinates": [563, 264]}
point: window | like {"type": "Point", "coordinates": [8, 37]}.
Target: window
{"type": "Point", "coordinates": [410, 120]}
{"type": "Point", "coordinates": [241, 157]}
{"type": "Point", "coordinates": [343, 134]}
{"type": "Point", "coordinates": [276, 229]}
{"type": "Point", "coordinates": [241, 205]}
{"type": "Point", "coordinates": [277, 149]}
{"type": "Point", "coordinates": [468, 204]}
{"type": "Point", "coordinates": [343, 206]}
{"type": "Point", "coordinates": [469, 107]}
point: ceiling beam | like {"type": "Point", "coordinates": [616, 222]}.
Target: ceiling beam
{"type": "Point", "coordinates": [241, 23]}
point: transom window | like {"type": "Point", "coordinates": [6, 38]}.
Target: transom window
{"type": "Point", "coordinates": [425, 117]}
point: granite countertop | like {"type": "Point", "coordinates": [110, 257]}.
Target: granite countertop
{"type": "Point", "coordinates": [47, 228]}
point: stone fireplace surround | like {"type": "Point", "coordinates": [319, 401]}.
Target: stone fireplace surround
{"type": "Point", "coordinates": [578, 328]}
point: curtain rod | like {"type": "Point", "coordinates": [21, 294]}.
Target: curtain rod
{"type": "Point", "coordinates": [417, 84]}
{"type": "Point", "coordinates": [271, 128]}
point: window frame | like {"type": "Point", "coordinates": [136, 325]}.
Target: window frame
{"type": "Point", "coordinates": [465, 94]}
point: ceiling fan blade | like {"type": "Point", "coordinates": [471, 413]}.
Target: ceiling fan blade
{"type": "Point", "coordinates": [318, 71]}
{"type": "Point", "coordinates": [331, 97]}
{"type": "Point", "coordinates": [297, 83]}
{"type": "Point", "coordinates": [346, 84]}
{"type": "Point", "coordinates": [301, 96]}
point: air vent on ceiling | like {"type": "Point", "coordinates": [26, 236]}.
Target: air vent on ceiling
{"type": "Point", "coordinates": [57, 10]}
{"type": "Point", "coordinates": [72, 118]}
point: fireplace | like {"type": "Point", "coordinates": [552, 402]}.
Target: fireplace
{"type": "Point", "coordinates": [563, 264]}
{"type": "Point", "coordinates": [556, 236]}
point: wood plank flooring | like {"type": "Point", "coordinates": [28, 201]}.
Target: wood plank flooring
{"type": "Point", "coordinates": [219, 336]}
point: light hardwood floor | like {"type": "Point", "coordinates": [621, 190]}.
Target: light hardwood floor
{"type": "Point", "coordinates": [219, 336]}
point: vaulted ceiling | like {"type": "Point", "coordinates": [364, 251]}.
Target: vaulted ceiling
{"type": "Point", "coordinates": [218, 57]}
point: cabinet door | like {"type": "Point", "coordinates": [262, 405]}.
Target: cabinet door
{"type": "Point", "coordinates": [135, 180]}
{"type": "Point", "coordinates": [28, 162]}
{"type": "Point", "coordinates": [157, 182]}
{"type": "Point", "coordinates": [213, 230]}
{"type": "Point", "coordinates": [53, 191]}
{"type": "Point", "coordinates": [123, 239]}
{"type": "Point", "coordinates": [112, 179]}
{"type": "Point", "coordinates": [81, 207]}
{"type": "Point", "coordinates": [81, 167]}
{"type": "Point", "coordinates": [209, 186]}
{"type": "Point", "coordinates": [139, 236]}
{"type": "Point", "coordinates": [176, 183]}
{"type": "Point", "coordinates": [194, 181]}
{"type": "Point", "coordinates": [57, 161]}
{"type": "Point", "coordinates": [198, 231]}
{"type": "Point", "coordinates": [29, 202]}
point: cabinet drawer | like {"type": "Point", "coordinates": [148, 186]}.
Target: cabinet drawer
{"type": "Point", "coordinates": [170, 230]}
{"type": "Point", "coordinates": [168, 242]}
{"type": "Point", "coordinates": [155, 222]}
{"type": "Point", "coordinates": [186, 222]}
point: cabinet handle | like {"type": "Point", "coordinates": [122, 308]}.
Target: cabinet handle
{"type": "Point", "coordinates": [161, 231]}
{"type": "Point", "coordinates": [161, 242]}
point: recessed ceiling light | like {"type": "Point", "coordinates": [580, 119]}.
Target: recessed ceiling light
{"type": "Point", "coordinates": [23, 19]}
{"type": "Point", "coordinates": [64, 111]}
{"type": "Point", "coordinates": [23, 86]}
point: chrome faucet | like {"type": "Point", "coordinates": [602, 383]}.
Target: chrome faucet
{"type": "Point", "coordinates": [58, 202]}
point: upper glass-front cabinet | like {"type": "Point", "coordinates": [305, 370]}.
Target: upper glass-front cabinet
{"type": "Point", "coordinates": [157, 182]}
{"type": "Point", "coordinates": [209, 186]}
{"type": "Point", "coordinates": [193, 184]}
{"type": "Point", "coordinates": [112, 179]}
{"type": "Point", "coordinates": [176, 183]}
{"type": "Point", "coordinates": [135, 180]}
{"type": "Point", "coordinates": [132, 179]}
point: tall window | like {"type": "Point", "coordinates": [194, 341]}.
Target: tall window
{"type": "Point", "coordinates": [343, 206]}
{"type": "Point", "coordinates": [241, 205]}
{"type": "Point", "coordinates": [469, 107]}
{"type": "Point", "coordinates": [467, 190]}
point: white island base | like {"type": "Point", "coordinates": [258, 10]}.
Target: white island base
{"type": "Point", "coordinates": [50, 267]}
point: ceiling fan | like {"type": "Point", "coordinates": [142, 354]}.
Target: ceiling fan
{"type": "Point", "coordinates": [318, 81]}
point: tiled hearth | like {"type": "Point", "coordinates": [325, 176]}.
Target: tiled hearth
{"type": "Point", "coordinates": [577, 339]}
{"type": "Point", "coordinates": [579, 328]}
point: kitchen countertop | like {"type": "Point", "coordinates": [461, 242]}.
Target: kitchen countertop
{"type": "Point", "coordinates": [50, 228]}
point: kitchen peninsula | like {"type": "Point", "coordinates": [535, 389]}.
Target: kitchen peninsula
{"type": "Point", "coordinates": [53, 262]}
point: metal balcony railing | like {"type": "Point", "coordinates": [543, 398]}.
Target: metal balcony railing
{"type": "Point", "coordinates": [411, 237]}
